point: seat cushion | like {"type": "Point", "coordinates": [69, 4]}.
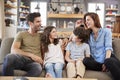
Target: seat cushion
{"type": "Point", "coordinates": [116, 48]}
{"type": "Point", "coordinates": [98, 74]}
{"type": "Point", "coordinates": [16, 72]}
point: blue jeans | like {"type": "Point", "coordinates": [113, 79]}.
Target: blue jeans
{"type": "Point", "coordinates": [18, 62]}
{"type": "Point", "coordinates": [55, 69]}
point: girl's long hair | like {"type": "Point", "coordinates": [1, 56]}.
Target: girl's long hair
{"type": "Point", "coordinates": [45, 41]}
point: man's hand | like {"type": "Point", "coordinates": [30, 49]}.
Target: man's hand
{"type": "Point", "coordinates": [78, 23]}
{"type": "Point", "coordinates": [36, 58]}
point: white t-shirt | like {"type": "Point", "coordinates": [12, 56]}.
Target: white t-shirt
{"type": "Point", "coordinates": [54, 55]}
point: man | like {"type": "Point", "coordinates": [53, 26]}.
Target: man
{"type": "Point", "coordinates": [25, 51]}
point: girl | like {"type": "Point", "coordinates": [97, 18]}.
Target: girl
{"type": "Point", "coordinates": [52, 53]}
{"type": "Point", "coordinates": [76, 51]}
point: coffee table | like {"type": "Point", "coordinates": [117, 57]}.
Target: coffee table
{"type": "Point", "coordinates": [40, 78]}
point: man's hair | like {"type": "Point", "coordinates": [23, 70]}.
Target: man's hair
{"type": "Point", "coordinates": [81, 33]}
{"type": "Point", "coordinates": [31, 16]}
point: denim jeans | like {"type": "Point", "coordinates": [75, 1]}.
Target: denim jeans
{"type": "Point", "coordinates": [55, 69]}
{"type": "Point", "coordinates": [18, 62]}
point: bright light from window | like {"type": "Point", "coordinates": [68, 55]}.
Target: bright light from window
{"type": "Point", "coordinates": [42, 10]}
{"type": "Point", "coordinates": [92, 8]}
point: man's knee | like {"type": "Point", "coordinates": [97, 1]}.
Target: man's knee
{"type": "Point", "coordinates": [10, 58]}
{"type": "Point", "coordinates": [37, 70]}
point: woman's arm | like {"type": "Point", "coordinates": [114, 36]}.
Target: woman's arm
{"type": "Point", "coordinates": [108, 43]}
{"type": "Point", "coordinates": [108, 54]}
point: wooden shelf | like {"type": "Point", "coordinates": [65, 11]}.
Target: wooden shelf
{"type": "Point", "coordinates": [22, 17]}
{"type": "Point", "coordinates": [13, 0]}
{"type": "Point", "coordinates": [9, 13]}
{"type": "Point", "coordinates": [25, 12]}
{"type": "Point", "coordinates": [65, 15]}
{"type": "Point", "coordinates": [110, 14]}
{"type": "Point", "coordinates": [10, 6]}
{"type": "Point", "coordinates": [116, 35]}
{"type": "Point", "coordinates": [64, 34]}
{"type": "Point", "coordinates": [24, 7]}
{"type": "Point", "coordinates": [117, 15]}
{"type": "Point", "coordinates": [109, 9]}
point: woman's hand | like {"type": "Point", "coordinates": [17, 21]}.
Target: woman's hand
{"type": "Point", "coordinates": [104, 69]}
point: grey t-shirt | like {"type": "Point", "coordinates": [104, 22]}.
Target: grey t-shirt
{"type": "Point", "coordinates": [77, 51]}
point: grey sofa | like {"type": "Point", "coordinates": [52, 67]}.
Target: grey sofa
{"type": "Point", "coordinates": [6, 46]}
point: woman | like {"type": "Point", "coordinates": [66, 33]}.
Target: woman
{"type": "Point", "coordinates": [52, 53]}
{"type": "Point", "coordinates": [101, 48]}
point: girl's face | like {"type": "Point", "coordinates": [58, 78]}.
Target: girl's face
{"type": "Point", "coordinates": [53, 34]}
{"type": "Point", "coordinates": [89, 22]}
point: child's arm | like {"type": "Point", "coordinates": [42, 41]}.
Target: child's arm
{"type": "Point", "coordinates": [87, 51]}
{"type": "Point", "coordinates": [87, 55]}
{"type": "Point", "coordinates": [67, 57]}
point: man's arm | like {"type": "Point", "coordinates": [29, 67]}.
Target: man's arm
{"type": "Point", "coordinates": [16, 50]}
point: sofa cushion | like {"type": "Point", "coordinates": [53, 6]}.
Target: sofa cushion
{"type": "Point", "coordinates": [116, 48]}
{"type": "Point", "coordinates": [98, 75]}
{"type": "Point", "coordinates": [5, 48]}
{"type": "Point", "coordinates": [16, 72]}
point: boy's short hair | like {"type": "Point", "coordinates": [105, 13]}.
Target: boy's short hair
{"type": "Point", "coordinates": [81, 33]}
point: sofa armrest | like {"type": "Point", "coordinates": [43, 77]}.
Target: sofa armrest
{"type": "Point", "coordinates": [116, 48]}
{"type": "Point", "coordinates": [0, 41]}
{"type": "Point", "coordinates": [5, 48]}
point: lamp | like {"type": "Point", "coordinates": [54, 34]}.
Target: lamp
{"type": "Point", "coordinates": [97, 8]}
{"type": "Point", "coordinates": [37, 7]}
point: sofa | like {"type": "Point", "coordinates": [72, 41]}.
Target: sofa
{"type": "Point", "coordinates": [6, 46]}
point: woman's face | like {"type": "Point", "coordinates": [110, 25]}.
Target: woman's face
{"type": "Point", "coordinates": [53, 34]}
{"type": "Point", "coordinates": [89, 22]}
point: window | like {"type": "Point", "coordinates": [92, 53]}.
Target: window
{"type": "Point", "coordinates": [42, 8]}
{"type": "Point", "coordinates": [98, 8]}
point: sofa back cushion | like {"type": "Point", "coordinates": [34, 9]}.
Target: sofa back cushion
{"type": "Point", "coordinates": [5, 48]}
{"type": "Point", "coordinates": [116, 48]}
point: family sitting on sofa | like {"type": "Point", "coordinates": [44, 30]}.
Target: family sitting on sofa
{"type": "Point", "coordinates": [32, 51]}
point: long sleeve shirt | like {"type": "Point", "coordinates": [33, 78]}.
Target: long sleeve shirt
{"type": "Point", "coordinates": [101, 44]}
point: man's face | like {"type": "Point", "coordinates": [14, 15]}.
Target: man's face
{"type": "Point", "coordinates": [35, 25]}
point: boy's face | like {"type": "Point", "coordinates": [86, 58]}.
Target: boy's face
{"type": "Point", "coordinates": [76, 39]}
